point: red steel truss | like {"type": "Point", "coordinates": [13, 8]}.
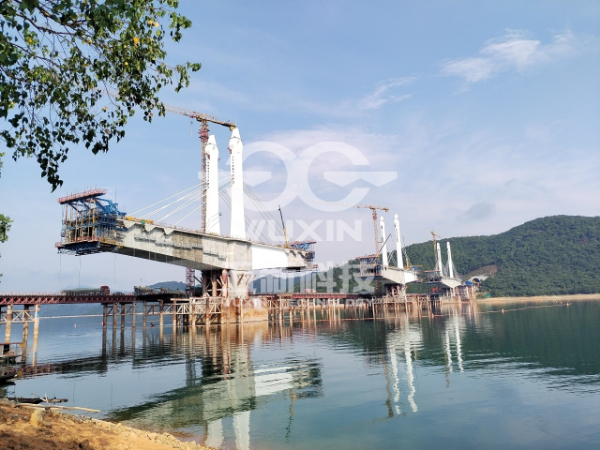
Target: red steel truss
{"type": "Point", "coordinates": [61, 299]}
{"type": "Point", "coordinates": [91, 193]}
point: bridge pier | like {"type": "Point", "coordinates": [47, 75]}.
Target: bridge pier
{"type": "Point", "coordinates": [161, 319]}
{"type": "Point", "coordinates": [115, 307]}
{"type": "Point", "coordinates": [36, 333]}
{"type": "Point", "coordinates": [144, 316]}
{"type": "Point", "coordinates": [174, 313]}
{"type": "Point", "coordinates": [104, 318]}
{"type": "Point", "coordinates": [122, 314]}
{"type": "Point", "coordinates": [9, 317]}
{"type": "Point", "coordinates": [25, 325]}
{"type": "Point", "coordinates": [133, 314]}
{"type": "Point", "coordinates": [192, 315]}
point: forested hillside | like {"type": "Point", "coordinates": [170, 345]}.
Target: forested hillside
{"type": "Point", "coordinates": [548, 256]}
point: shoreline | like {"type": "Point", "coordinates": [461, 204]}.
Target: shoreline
{"type": "Point", "coordinates": [24, 427]}
{"type": "Point", "coordinates": [539, 298]}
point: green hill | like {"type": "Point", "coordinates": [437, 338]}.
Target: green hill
{"type": "Point", "coordinates": [548, 256]}
{"type": "Point", "coordinates": [169, 285]}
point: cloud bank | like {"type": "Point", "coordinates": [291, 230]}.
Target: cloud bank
{"type": "Point", "coordinates": [516, 50]}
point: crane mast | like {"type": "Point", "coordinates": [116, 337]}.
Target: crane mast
{"type": "Point", "coordinates": [204, 119]}
{"type": "Point", "coordinates": [435, 237]}
{"type": "Point", "coordinates": [374, 209]}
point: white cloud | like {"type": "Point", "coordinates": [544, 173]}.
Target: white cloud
{"type": "Point", "coordinates": [516, 50]}
{"type": "Point", "coordinates": [385, 93]}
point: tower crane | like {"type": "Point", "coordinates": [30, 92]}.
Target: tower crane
{"type": "Point", "coordinates": [435, 237]}
{"type": "Point", "coordinates": [204, 119]}
{"type": "Point", "coordinates": [374, 209]}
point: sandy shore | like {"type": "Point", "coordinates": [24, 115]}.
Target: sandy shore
{"type": "Point", "coordinates": [23, 428]}
{"type": "Point", "coordinates": [543, 298]}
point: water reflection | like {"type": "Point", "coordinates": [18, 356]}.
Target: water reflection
{"type": "Point", "coordinates": [223, 381]}
{"type": "Point", "coordinates": [343, 376]}
{"type": "Point", "coordinates": [401, 341]}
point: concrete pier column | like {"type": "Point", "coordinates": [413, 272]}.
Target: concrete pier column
{"type": "Point", "coordinates": [104, 317]}
{"type": "Point", "coordinates": [114, 316]}
{"type": "Point", "coordinates": [25, 325]}
{"type": "Point", "coordinates": [144, 316]}
{"type": "Point", "coordinates": [192, 317]}
{"type": "Point", "coordinates": [133, 313]}
{"type": "Point", "coordinates": [133, 333]}
{"type": "Point", "coordinates": [36, 333]}
{"type": "Point", "coordinates": [9, 317]}
{"type": "Point", "coordinates": [206, 310]}
{"type": "Point", "coordinates": [175, 316]}
{"type": "Point", "coordinates": [114, 330]}
{"type": "Point", "coordinates": [161, 318]}
{"type": "Point", "coordinates": [122, 313]}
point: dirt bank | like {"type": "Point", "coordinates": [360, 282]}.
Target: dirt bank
{"type": "Point", "coordinates": [543, 298]}
{"type": "Point", "coordinates": [22, 428]}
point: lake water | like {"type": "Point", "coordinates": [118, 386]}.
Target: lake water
{"type": "Point", "coordinates": [471, 377]}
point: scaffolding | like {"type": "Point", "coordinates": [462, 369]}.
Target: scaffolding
{"type": "Point", "coordinates": [307, 246]}
{"type": "Point", "coordinates": [90, 224]}
{"type": "Point", "coordinates": [370, 266]}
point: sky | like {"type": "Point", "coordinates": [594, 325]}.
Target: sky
{"type": "Point", "coordinates": [464, 117]}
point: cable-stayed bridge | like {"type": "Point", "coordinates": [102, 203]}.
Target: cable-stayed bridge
{"type": "Point", "coordinates": [93, 224]}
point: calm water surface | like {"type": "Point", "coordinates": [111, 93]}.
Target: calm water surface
{"type": "Point", "coordinates": [473, 377]}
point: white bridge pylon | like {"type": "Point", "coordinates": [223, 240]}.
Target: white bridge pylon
{"type": "Point", "coordinates": [399, 274]}
{"type": "Point", "coordinates": [212, 223]}
{"type": "Point", "coordinates": [395, 277]}
{"type": "Point", "coordinates": [212, 220]}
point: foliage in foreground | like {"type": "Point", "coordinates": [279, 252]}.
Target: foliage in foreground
{"type": "Point", "coordinates": [57, 57]}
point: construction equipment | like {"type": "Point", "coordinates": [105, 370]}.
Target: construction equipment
{"type": "Point", "coordinates": [204, 132]}
{"type": "Point", "coordinates": [287, 242]}
{"type": "Point", "coordinates": [200, 117]}
{"type": "Point", "coordinates": [204, 119]}
{"type": "Point", "coordinates": [435, 253]}
{"type": "Point", "coordinates": [374, 209]}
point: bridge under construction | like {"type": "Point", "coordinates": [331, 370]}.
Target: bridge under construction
{"type": "Point", "coordinates": [91, 223]}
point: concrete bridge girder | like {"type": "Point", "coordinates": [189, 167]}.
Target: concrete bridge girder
{"type": "Point", "coordinates": [201, 251]}
{"type": "Point", "coordinates": [450, 283]}
{"type": "Point", "coordinates": [394, 275]}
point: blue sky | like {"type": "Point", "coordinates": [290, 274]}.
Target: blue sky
{"type": "Point", "coordinates": [487, 112]}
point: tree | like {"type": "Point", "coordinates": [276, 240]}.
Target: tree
{"type": "Point", "coordinates": [58, 56]}
{"type": "Point", "coordinates": [4, 220]}
{"type": "Point", "coordinates": [4, 227]}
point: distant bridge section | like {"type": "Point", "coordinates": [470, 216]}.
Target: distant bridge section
{"type": "Point", "coordinates": [64, 299]}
